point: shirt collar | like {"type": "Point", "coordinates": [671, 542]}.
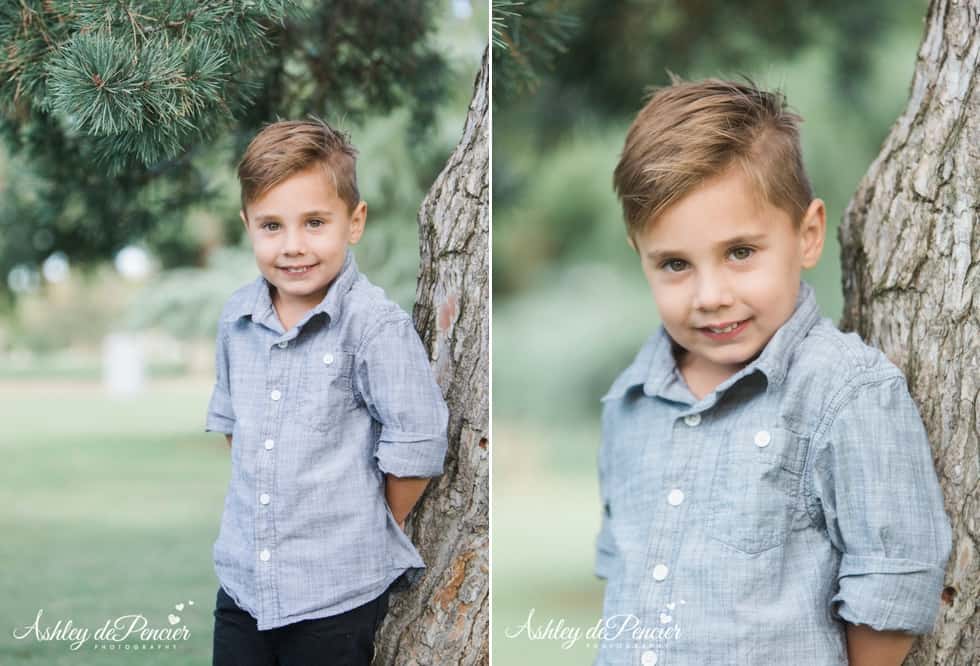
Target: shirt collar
{"type": "Point", "coordinates": [655, 367]}
{"type": "Point", "coordinates": [257, 302]}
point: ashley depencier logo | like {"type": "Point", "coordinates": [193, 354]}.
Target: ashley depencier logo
{"type": "Point", "coordinates": [622, 630]}
{"type": "Point", "coordinates": [126, 632]}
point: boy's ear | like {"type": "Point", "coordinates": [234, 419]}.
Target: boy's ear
{"type": "Point", "coordinates": [812, 232]}
{"type": "Point", "coordinates": [358, 219]}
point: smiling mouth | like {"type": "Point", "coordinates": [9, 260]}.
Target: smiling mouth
{"type": "Point", "coordinates": [297, 270]}
{"type": "Point", "coordinates": [726, 329]}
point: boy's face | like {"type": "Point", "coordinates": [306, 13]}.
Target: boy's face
{"type": "Point", "coordinates": [301, 224]}
{"type": "Point", "coordinates": [722, 255]}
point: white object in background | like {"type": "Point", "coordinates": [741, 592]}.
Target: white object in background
{"type": "Point", "coordinates": [133, 262]}
{"type": "Point", "coordinates": [122, 364]}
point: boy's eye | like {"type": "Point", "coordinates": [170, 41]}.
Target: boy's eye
{"type": "Point", "coordinates": [315, 223]}
{"type": "Point", "coordinates": [673, 265]}
{"type": "Point", "coordinates": [270, 226]}
{"type": "Point", "coordinates": [747, 250]}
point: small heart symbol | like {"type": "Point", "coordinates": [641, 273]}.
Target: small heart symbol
{"type": "Point", "coordinates": [670, 606]}
{"type": "Point", "coordinates": [665, 619]}
{"type": "Point", "coordinates": [179, 607]}
{"type": "Point", "coordinates": [173, 618]}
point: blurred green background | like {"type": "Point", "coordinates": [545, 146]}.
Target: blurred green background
{"type": "Point", "coordinates": [112, 498]}
{"type": "Point", "coordinates": [570, 304]}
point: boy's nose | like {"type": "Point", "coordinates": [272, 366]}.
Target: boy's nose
{"type": "Point", "coordinates": [712, 292]}
{"type": "Point", "coordinates": [293, 242]}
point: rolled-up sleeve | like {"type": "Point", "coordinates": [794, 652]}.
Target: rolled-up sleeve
{"type": "Point", "coordinates": [873, 480]}
{"type": "Point", "coordinates": [395, 381]}
{"type": "Point", "coordinates": [221, 415]}
{"type": "Point", "coordinates": [606, 550]}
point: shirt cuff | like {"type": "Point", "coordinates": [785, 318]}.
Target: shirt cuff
{"type": "Point", "coordinates": [220, 412]}
{"type": "Point", "coordinates": [219, 423]}
{"type": "Point", "coordinates": [604, 563]}
{"type": "Point", "coordinates": [403, 453]}
{"type": "Point", "coordinates": [606, 551]}
{"type": "Point", "coordinates": [888, 594]}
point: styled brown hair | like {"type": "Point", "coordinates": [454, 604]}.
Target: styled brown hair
{"type": "Point", "coordinates": [284, 148]}
{"type": "Point", "coordinates": [691, 131]}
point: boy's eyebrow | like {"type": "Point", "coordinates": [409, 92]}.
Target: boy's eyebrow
{"type": "Point", "coordinates": [273, 216]}
{"type": "Point", "coordinates": [654, 255]}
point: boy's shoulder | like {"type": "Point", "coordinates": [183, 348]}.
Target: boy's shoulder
{"type": "Point", "coordinates": [639, 369]}
{"type": "Point", "coordinates": [366, 307]}
{"type": "Point", "coordinates": [837, 357]}
{"type": "Point", "coordinates": [242, 300]}
{"type": "Point", "coordinates": [829, 362]}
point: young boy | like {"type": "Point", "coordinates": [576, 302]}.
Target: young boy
{"type": "Point", "coordinates": [334, 419]}
{"type": "Point", "coordinates": [769, 495]}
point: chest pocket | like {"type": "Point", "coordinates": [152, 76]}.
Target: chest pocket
{"type": "Point", "coordinates": [755, 494]}
{"type": "Point", "coordinates": [326, 388]}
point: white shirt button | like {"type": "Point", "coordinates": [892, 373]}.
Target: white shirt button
{"type": "Point", "coordinates": [275, 395]}
{"type": "Point", "coordinates": [692, 419]}
{"type": "Point", "coordinates": [264, 498]}
{"type": "Point", "coordinates": [675, 497]}
{"type": "Point", "coordinates": [328, 358]}
{"type": "Point", "coordinates": [762, 438]}
{"type": "Point", "coordinates": [660, 572]}
{"type": "Point", "coordinates": [269, 444]}
{"type": "Point", "coordinates": [648, 658]}
{"type": "Point", "coordinates": [265, 555]}
{"type": "Point", "coordinates": [283, 344]}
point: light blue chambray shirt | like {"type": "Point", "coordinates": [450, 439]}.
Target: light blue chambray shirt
{"type": "Point", "coordinates": [317, 415]}
{"type": "Point", "coordinates": [746, 527]}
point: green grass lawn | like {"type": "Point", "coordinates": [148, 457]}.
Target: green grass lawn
{"type": "Point", "coordinates": [109, 509]}
{"type": "Point", "coordinates": [545, 515]}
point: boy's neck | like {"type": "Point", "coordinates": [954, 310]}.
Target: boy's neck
{"type": "Point", "coordinates": [291, 311]}
{"type": "Point", "coordinates": [699, 379]}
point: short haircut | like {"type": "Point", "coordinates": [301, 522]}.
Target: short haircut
{"type": "Point", "coordinates": [692, 131]}
{"type": "Point", "coordinates": [284, 148]}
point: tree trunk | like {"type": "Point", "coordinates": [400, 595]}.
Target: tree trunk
{"type": "Point", "coordinates": [911, 255]}
{"type": "Point", "coordinates": [445, 618]}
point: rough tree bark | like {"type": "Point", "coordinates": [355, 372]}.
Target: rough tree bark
{"type": "Point", "coordinates": [911, 264]}
{"type": "Point", "coordinates": [445, 618]}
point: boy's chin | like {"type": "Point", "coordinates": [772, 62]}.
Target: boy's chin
{"type": "Point", "coordinates": [299, 290]}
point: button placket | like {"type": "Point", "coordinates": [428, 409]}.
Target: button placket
{"type": "Point", "coordinates": [664, 546]}
{"type": "Point", "coordinates": [281, 389]}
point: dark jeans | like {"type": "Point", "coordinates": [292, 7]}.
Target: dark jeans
{"type": "Point", "coordinates": [346, 639]}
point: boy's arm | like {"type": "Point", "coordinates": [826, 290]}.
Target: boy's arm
{"type": "Point", "coordinates": [221, 413]}
{"type": "Point", "coordinates": [402, 493]}
{"type": "Point", "coordinates": [870, 479]}
{"type": "Point", "coordinates": [393, 377]}
{"type": "Point", "coordinates": [867, 647]}
{"type": "Point", "coordinates": [607, 553]}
